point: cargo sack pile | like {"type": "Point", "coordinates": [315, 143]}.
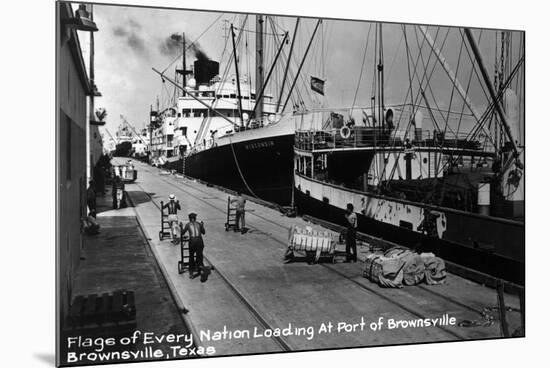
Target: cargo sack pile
{"type": "Point", "coordinates": [435, 269]}
{"type": "Point", "coordinates": [398, 267]}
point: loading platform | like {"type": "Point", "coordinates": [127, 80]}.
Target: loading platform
{"type": "Point", "coordinates": [252, 289]}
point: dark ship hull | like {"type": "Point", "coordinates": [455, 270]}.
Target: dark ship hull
{"type": "Point", "coordinates": [259, 167]}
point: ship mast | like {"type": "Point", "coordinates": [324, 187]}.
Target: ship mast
{"type": "Point", "coordinates": [287, 64]}
{"type": "Point", "coordinates": [259, 65]}
{"type": "Point", "coordinates": [183, 61]}
{"type": "Point", "coordinates": [289, 94]}
{"type": "Point", "coordinates": [380, 69]}
{"type": "Point", "coordinates": [239, 96]}
{"type": "Point", "coordinates": [183, 71]}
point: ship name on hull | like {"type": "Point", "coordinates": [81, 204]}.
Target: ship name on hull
{"type": "Point", "coordinates": [258, 145]}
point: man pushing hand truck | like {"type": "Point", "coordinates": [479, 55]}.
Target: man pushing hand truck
{"type": "Point", "coordinates": [172, 208]}
{"type": "Point", "coordinates": [196, 248]}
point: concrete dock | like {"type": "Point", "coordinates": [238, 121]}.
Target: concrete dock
{"type": "Point", "coordinates": [252, 289]}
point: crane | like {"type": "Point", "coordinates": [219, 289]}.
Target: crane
{"type": "Point", "coordinates": [110, 135]}
{"type": "Point", "coordinates": [125, 121]}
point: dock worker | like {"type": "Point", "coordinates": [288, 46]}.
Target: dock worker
{"type": "Point", "coordinates": [196, 248]}
{"type": "Point", "coordinates": [118, 192]}
{"type": "Point", "coordinates": [239, 203]}
{"type": "Point", "coordinates": [428, 227]}
{"type": "Point", "coordinates": [351, 246]}
{"type": "Point", "coordinates": [172, 207]}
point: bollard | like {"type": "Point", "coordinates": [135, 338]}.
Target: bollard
{"type": "Point", "coordinates": [502, 309]}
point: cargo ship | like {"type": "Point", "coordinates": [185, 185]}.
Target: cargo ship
{"type": "Point", "coordinates": [459, 195]}
{"type": "Point", "coordinates": [226, 131]}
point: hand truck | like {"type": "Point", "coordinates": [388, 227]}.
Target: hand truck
{"type": "Point", "coordinates": [164, 224]}
{"type": "Point", "coordinates": [183, 263]}
{"type": "Point", "coordinates": [231, 216]}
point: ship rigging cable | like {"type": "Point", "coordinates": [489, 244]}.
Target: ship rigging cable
{"type": "Point", "coordinates": [428, 85]}
{"type": "Point", "coordinates": [420, 93]}
{"type": "Point", "coordinates": [297, 100]}
{"type": "Point", "coordinates": [362, 68]}
{"type": "Point", "coordinates": [491, 108]}
{"type": "Point", "coordinates": [206, 122]}
{"type": "Point", "coordinates": [467, 91]}
{"type": "Point", "coordinates": [288, 71]}
{"type": "Point", "coordinates": [414, 102]}
{"type": "Point", "coordinates": [239, 170]}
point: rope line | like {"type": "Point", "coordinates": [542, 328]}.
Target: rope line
{"type": "Point", "coordinates": [240, 172]}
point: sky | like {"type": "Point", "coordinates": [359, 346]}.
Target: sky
{"type": "Point", "coordinates": [131, 41]}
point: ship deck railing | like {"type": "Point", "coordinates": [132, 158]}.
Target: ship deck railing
{"type": "Point", "coordinates": [368, 138]}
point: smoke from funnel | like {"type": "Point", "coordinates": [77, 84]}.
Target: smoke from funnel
{"type": "Point", "coordinates": [130, 33]}
{"type": "Point", "coordinates": [173, 44]}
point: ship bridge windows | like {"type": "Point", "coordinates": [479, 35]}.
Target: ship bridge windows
{"type": "Point", "coordinates": [193, 113]}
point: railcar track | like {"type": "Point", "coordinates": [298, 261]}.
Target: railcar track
{"type": "Point", "coordinates": [427, 289]}
{"type": "Point", "coordinates": [284, 345]}
{"type": "Point", "coordinates": [352, 279]}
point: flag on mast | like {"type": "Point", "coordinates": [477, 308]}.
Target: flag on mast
{"type": "Point", "coordinates": [318, 85]}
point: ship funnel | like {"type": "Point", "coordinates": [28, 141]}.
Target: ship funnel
{"type": "Point", "coordinates": [205, 70]}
